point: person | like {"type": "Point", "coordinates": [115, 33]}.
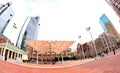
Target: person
{"type": "Point", "coordinates": [102, 54]}
{"type": "Point", "coordinates": [106, 52]}
{"type": "Point", "coordinates": [114, 51]}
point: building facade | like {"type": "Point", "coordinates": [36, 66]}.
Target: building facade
{"type": "Point", "coordinates": [11, 53]}
{"type": "Point", "coordinates": [29, 31]}
{"type": "Point", "coordinates": [104, 43]}
{"type": "Point", "coordinates": [3, 39]}
{"type": "Point", "coordinates": [108, 26]}
{"type": "Point", "coordinates": [115, 5]}
{"type": "Point", "coordinates": [6, 14]}
{"type": "Point", "coordinates": [109, 41]}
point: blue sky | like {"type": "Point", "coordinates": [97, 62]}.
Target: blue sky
{"type": "Point", "coordinates": [63, 19]}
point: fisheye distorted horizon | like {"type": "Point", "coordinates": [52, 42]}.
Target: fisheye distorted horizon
{"type": "Point", "coordinates": [63, 19]}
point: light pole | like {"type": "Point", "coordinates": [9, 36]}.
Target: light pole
{"type": "Point", "coordinates": [88, 29]}
{"type": "Point", "coordinates": [106, 42]}
{"type": "Point", "coordinates": [82, 47]}
{"type": "Point", "coordinates": [14, 26]}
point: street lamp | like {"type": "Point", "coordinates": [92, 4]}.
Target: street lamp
{"type": "Point", "coordinates": [106, 42]}
{"type": "Point", "coordinates": [88, 29]}
{"type": "Point", "coordinates": [82, 47]}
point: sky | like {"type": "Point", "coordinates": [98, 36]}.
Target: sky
{"type": "Point", "coordinates": [62, 19]}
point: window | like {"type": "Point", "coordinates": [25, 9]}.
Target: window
{"type": "Point", "coordinates": [39, 54]}
{"type": "Point", "coordinates": [3, 5]}
{"type": "Point", "coordinates": [11, 15]}
{"type": "Point", "coordinates": [36, 18]}
{"type": "Point", "coordinates": [8, 21]}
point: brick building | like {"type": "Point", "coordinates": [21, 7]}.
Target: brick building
{"type": "Point", "coordinates": [45, 51]}
{"type": "Point", "coordinates": [104, 43]}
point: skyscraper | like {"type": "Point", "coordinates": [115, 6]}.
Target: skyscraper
{"type": "Point", "coordinates": [108, 26]}
{"type": "Point", "coordinates": [29, 31]}
{"type": "Point", "coordinates": [6, 13]}
{"type": "Point", "coordinates": [32, 28]}
{"type": "Point", "coordinates": [103, 20]}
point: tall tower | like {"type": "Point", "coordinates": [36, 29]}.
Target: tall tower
{"type": "Point", "coordinates": [6, 14]}
{"type": "Point", "coordinates": [29, 31]}
{"type": "Point", "coordinates": [32, 28]}
{"type": "Point", "coordinates": [108, 26]}
{"type": "Point", "coordinates": [103, 20]}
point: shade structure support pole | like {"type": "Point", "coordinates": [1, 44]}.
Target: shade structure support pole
{"type": "Point", "coordinates": [42, 58]}
{"type": "Point", "coordinates": [62, 58]}
{"type": "Point", "coordinates": [59, 58]}
{"type": "Point", "coordinates": [37, 57]}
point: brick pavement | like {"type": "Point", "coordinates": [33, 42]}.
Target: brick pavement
{"type": "Point", "coordinates": [109, 64]}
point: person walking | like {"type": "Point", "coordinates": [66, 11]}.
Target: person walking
{"type": "Point", "coordinates": [114, 51]}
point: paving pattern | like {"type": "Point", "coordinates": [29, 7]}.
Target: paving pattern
{"type": "Point", "coordinates": [109, 64]}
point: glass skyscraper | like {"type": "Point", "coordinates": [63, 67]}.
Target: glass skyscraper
{"type": "Point", "coordinates": [32, 28]}
{"type": "Point", "coordinates": [103, 21]}
{"type": "Point", "coordinates": [29, 31]}
{"type": "Point", "coordinates": [6, 13]}
{"type": "Point", "coordinates": [108, 26]}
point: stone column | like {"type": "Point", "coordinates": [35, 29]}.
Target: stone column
{"type": "Point", "coordinates": [18, 57]}
{"type": "Point", "coordinates": [8, 54]}
{"type": "Point", "coordinates": [11, 54]}
{"type": "Point", "coordinates": [1, 57]}
{"type": "Point", "coordinates": [15, 55]}
{"type": "Point", "coordinates": [4, 53]}
{"type": "Point", "coordinates": [1, 51]}
{"type": "Point", "coordinates": [21, 57]}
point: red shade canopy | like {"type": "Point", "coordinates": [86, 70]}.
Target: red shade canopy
{"type": "Point", "coordinates": [47, 46]}
{"type": "Point", "coordinates": [59, 46]}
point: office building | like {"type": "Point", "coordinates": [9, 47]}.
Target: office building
{"type": "Point", "coordinates": [105, 42]}
{"type": "Point", "coordinates": [6, 14]}
{"type": "Point", "coordinates": [108, 26]}
{"type": "Point", "coordinates": [109, 41]}
{"type": "Point", "coordinates": [29, 31]}
{"type": "Point", "coordinates": [115, 5]}
{"type": "Point", "coordinates": [103, 20]}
